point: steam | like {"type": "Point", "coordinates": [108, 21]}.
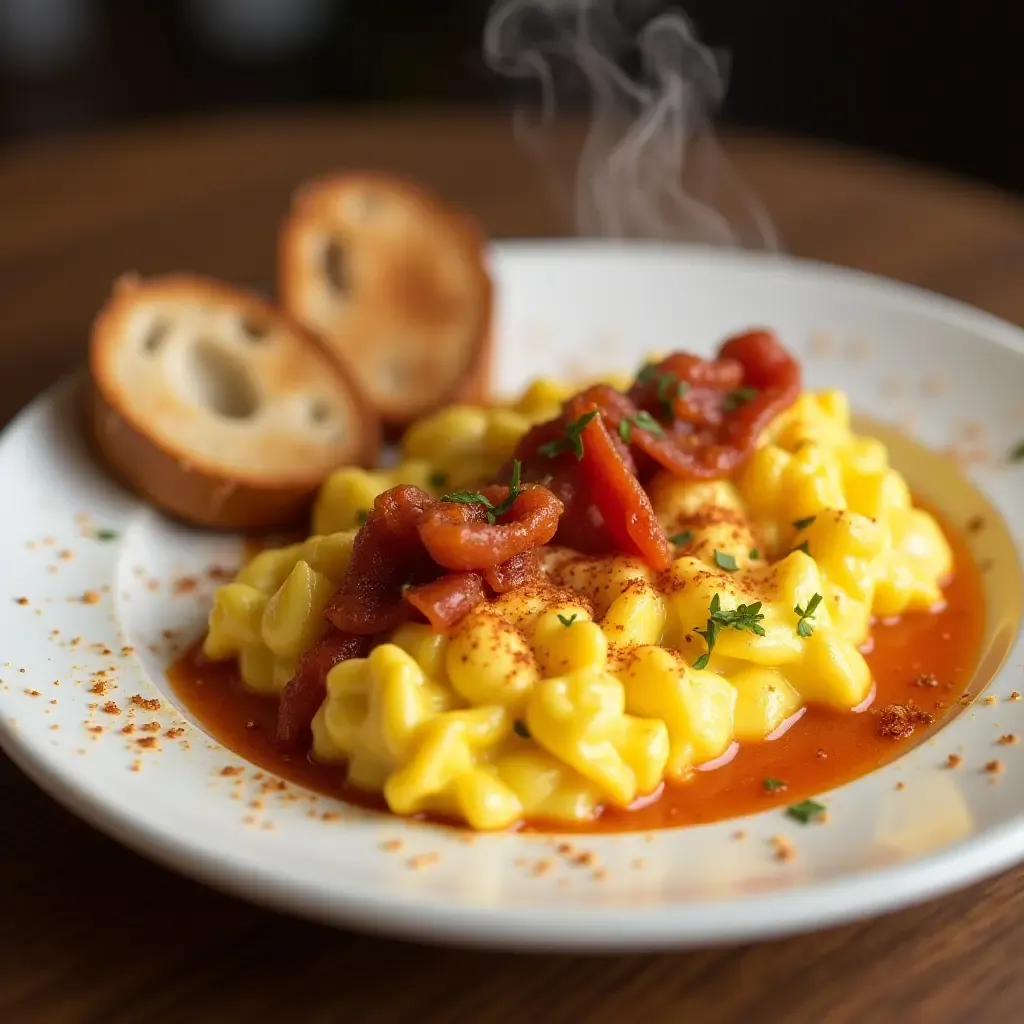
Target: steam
{"type": "Point", "coordinates": [650, 166]}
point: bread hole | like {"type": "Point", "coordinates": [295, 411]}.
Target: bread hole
{"type": "Point", "coordinates": [319, 412]}
{"type": "Point", "coordinates": [221, 381]}
{"type": "Point", "coordinates": [335, 270]}
{"type": "Point", "coordinates": [155, 336]}
{"type": "Point", "coordinates": [255, 328]}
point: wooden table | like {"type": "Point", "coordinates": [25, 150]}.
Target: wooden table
{"type": "Point", "coordinates": [90, 932]}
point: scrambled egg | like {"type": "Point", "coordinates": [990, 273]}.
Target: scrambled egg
{"type": "Point", "coordinates": [601, 684]}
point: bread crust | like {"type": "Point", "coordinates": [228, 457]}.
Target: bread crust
{"type": "Point", "coordinates": [178, 482]}
{"type": "Point", "coordinates": [312, 212]}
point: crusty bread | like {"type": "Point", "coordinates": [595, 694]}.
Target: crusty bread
{"type": "Point", "coordinates": [218, 408]}
{"type": "Point", "coordinates": [395, 280]}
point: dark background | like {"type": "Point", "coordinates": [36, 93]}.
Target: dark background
{"type": "Point", "coordinates": [927, 81]}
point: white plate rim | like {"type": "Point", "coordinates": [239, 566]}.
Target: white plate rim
{"type": "Point", "coordinates": [595, 929]}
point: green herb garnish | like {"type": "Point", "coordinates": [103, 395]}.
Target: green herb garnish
{"type": "Point", "coordinates": [467, 498]}
{"type": "Point", "coordinates": [804, 627]}
{"type": "Point", "coordinates": [514, 490]}
{"type": "Point", "coordinates": [1017, 452]}
{"type": "Point", "coordinates": [668, 386]}
{"type": "Point", "coordinates": [643, 420]}
{"type": "Point", "coordinates": [476, 498]}
{"type": "Point", "coordinates": [806, 811]}
{"type": "Point", "coordinates": [362, 515]}
{"type": "Point", "coordinates": [802, 524]}
{"type": "Point", "coordinates": [754, 554]}
{"type": "Point", "coordinates": [734, 399]}
{"type": "Point", "coordinates": [680, 539]}
{"type": "Point", "coordinates": [772, 785]}
{"type": "Point", "coordinates": [519, 728]}
{"type": "Point", "coordinates": [572, 441]}
{"type": "Point", "coordinates": [107, 535]}
{"type": "Point", "coordinates": [568, 620]}
{"type": "Point", "coordinates": [437, 479]}
{"type": "Point", "coordinates": [725, 561]}
{"type": "Point", "coordinates": [745, 617]}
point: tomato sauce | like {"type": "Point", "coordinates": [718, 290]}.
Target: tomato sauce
{"type": "Point", "coordinates": [822, 749]}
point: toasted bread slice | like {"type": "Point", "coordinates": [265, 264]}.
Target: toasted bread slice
{"type": "Point", "coordinates": [218, 408]}
{"type": "Point", "coordinates": [395, 280]}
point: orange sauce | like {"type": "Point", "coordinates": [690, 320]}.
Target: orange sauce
{"type": "Point", "coordinates": [821, 750]}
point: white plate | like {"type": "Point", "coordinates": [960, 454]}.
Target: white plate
{"type": "Point", "coordinates": [951, 373]}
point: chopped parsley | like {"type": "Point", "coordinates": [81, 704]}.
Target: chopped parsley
{"type": "Point", "coordinates": [1017, 452]}
{"type": "Point", "coordinates": [802, 546]}
{"type": "Point", "coordinates": [734, 399]}
{"type": "Point", "coordinates": [745, 617]}
{"type": "Point", "coordinates": [519, 728]}
{"type": "Point", "coordinates": [725, 561]}
{"type": "Point", "coordinates": [643, 420]}
{"type": "Point", "coordinates": [754, 554]}
{"type": "Point", "coordinates": [467, 498]}
{"type": "Point", "coordinates": [802, 524]}
{"type": "Point", "coordinates": [806, 811]}
{"type": "Point", "coordinates": [772, 785]}
{"type": "Point", "coordinates": [107, 535]}
{"type": "Point", "coordinates": [668, 387]}
{"type": "Point", "coordinates": [568, 620]}
{"type": "Point", "coordinates": [682, 538]}
{"type": "Point", "coordinates": [572, 440]}
{"type": "Point", "coordinates": [476, 498]}
{"type": "Point", "coordinates": [804, 627]}
{"type": "Point", "coordinates": [437, 479]}
{"type": "Point", "coordinates": [514, 490]}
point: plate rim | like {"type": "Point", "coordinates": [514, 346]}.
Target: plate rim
{"type": "Point", "coordinates": [595, 929]}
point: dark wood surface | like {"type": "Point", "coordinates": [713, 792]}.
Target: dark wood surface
{"type": "Point", "coordinates": [90, 932]}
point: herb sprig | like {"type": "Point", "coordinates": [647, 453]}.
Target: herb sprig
{"type": "Point", "coordinates": [682, 538]}
{"type": "Point", "coordinates": [804, 626]}
{"type": "Point", "coordinates": [571, 440]}
{"type": "Point", "coordinates": [806, 811]}
{"type": "Point", "coordinates": [643, 420]}
{"type": "Point", "coordinates": [744, 617]}
{"type": "Point", "coordinates": [668, 387]}
{"type": "Point", "coordinates": [725, 561]}
{"type": "Point", "coordinates": [568, 620]}
{"type": "Point", "coordinates": [494, 512]}
{"type": "Point", "coordinates": [734, 399]}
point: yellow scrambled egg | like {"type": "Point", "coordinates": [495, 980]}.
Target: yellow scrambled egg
{"type": "Point", "coordinates": [598, 685]}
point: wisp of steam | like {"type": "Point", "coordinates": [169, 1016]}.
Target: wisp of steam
{"type": "Point", "coordinates": [651, 93]}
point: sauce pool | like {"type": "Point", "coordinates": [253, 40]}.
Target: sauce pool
{"type": "Point", "coordinates": [820, 750]}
